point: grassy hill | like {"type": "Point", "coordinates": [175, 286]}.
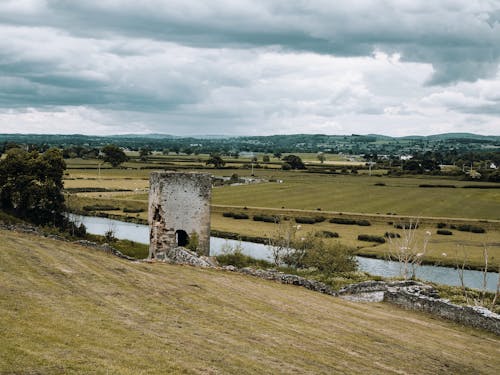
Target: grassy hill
{"type": "Point", "coordinates": [70, 309]}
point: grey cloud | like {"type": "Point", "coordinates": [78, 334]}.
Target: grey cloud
{"type": "Point", "coordinates": [460, 38]}
{"type": "Point", "coordinates": [248, 66]}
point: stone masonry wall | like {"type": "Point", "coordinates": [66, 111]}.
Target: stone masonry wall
{"type": "Point", "coordinates": [179, 202]}
{"type": "Point", "coordinates": [414, 295]}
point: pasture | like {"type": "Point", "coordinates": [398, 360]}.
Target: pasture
{"type": "Point", "coordinates": [381, 200]}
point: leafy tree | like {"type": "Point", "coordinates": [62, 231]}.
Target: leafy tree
{"type": "Point", "coordinates": [413, 166]}
{"type": "Point", "coordinates": [277, 155]}
{"type": "Point", "coordinates": [294, 161]}
{"type": "Point", "coordinates": [144, 153]}
{"type": "Point", "coordinates": [216, 161]}
{"type": "Point", "coordinates": [321, 157]}
{"type": "Point", "coordinates": [31, 185]}
{"type": "Point", "coordinates": [265, 159]}
{"type": "Point", "coordinates": [114, 155]}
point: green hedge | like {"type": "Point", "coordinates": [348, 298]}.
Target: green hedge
{"type": "Point", "coordinates": [444, 232]}
{"type": "Point", "coordinates": [101, 207]}
{"type": "Point", "coordinates": [266, 218]}
{"type": "Point", "coordinates": [371, 238]}
{"type": "Point", "coordinates": [133, 210]}
{"type": "Point", "coordinates": [471, 228]}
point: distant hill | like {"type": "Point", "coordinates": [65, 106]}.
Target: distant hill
{"type": "Point", "coordinates": [354, 144]}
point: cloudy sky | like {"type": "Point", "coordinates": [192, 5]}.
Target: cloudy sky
{"type": "Point", "coordinates": [250, 67]}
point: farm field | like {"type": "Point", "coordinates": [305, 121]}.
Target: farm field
{"type": "Point", "coordinates": [70, 309]}
{"type": "Point", "coordinates": [341, 193]}
{"type": "Point", "coordinates": [302, 194]}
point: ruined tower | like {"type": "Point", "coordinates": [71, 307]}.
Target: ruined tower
{"type": "Point", "coordinates": [179, 209]}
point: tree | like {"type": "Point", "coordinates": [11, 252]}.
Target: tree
{"type": "Point", "coordinates": [294, 161]}
{"type": "Point", "coordinates": [277, 155]}
{"type": "Point", "coordinates": [216, 161]}
{"type": "Point", "coordinates": [114, 155]}
{"type": "Point", "coordinates": [265, 159]}
{"type": "Point", "coordinates": [321, 157]}
{"type": "Point", "coordinates": [31, 185]}
{"type": "Point", "coordinates": [144, 153]}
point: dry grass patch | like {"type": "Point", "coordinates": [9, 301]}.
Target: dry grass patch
{"type": "Point", "coordinates": [69, 309]}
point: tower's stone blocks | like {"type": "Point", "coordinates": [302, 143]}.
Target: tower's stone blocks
{"type": "Point", "coordinates": [179, 209]}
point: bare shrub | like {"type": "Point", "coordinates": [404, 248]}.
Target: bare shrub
{"type": "Point", "coordinates": [409, 249]}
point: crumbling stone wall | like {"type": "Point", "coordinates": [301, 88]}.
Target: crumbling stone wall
{"type": "Point", "coordinates": [414, 295]}
{"type": "Point", "coordinates": [179, 208]}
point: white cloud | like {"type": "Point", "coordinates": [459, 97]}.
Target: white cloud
{"type": "Point", "coordinates": [249, 67]}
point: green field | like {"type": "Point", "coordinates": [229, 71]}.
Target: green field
{"type": "Point", "coordinates": [68, 309]}
{"type": "Point", "coordinates": [302, 194]}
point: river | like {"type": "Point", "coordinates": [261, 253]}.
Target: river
{"type": "Point", "coordinates": [379, 267]}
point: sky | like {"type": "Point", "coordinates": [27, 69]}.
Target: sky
{"type": "Point", "coordinates": [250, 67]}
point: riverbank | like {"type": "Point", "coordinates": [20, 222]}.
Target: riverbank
{"type": "Point", "coordinates": [374, 251]}
{"type": "Point", "coordinates": [309, 276]}
{"type": "Point", "coordinates": [378, 267]}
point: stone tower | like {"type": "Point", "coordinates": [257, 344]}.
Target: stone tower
{"type": "Point", "coordinates": [179, 208]}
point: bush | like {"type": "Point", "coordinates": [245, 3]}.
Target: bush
{"type": "Point", "coordinates": [327, 257]}
{"type": "Point", "coordinates": [241, 260]}
{"type": "Point", "coordinates": [330, 258]}
{"type": "Point", "coordinates": [240, 216]}
{"type": "Point", "coordinates": [481, 187]}
{"type": "Point", "coordinates": [193, 242]}
{"type": "Point", "coordinates": [444, 232]}
{"type": "Point", "coordinates": [132, 210]}
{"type": "Point", "coordinates": [392, 235]}
{"type": "Point", "coordinates": [470, 228]}
{"type": "Point", "coordinates": [371, 238]}
{"type": "Point", "coordinates": [379, 184]}
{"type": "Point", "coordinates": [305, 220]}
{"type": "Point", "coordinates": [101, 207]}
{"type": "Point", "coordinates": [436, 186]}
{"type": "Point", "coordinates": [441, 225]}
{"type": "Point", "coordinates": [233, 256]}
{"type": "Point", "coordinates": [341, 220]}
{"type": "Point", "coordinates": [74, 229]}
{"type": "Point", "coordinates": [266, 219]}
{"type": "Point", "coordinates": [319, 219]}
{"type": "Point", "coordinates": [475, 229]}
{"type": "Point", "coordinates": [228, 214]}
{"type": "Point", "coordinates": [363, 223]}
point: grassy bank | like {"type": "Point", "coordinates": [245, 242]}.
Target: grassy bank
{"type": "Point", "coordinates": [69, 309]}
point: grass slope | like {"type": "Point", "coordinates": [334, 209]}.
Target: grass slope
{"type": "Point", "coordinates": [69, 309]}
